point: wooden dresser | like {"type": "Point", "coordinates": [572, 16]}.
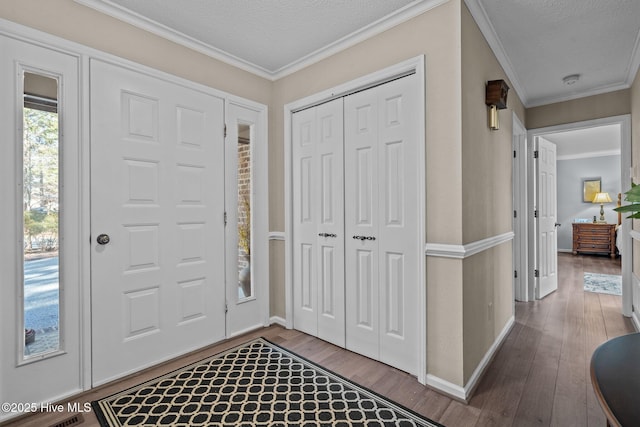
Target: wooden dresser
{"type": "Point", "coordinates": [594, 238]}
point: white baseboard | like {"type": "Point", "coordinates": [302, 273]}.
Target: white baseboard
{"type": "Point", "coordinates": [464, 393]}
{"type": "Point", "coordinates": [278, 321]}
{"type": "Point", "coordinates": [636, 321]}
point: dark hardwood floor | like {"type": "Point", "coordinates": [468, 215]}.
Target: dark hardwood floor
{"type": "Point", "coordinates": [540, 376]}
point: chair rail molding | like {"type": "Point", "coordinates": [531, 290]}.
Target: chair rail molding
{"type": "Point", "coordinates": [444, 250]}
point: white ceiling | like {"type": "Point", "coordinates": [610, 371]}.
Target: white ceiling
{"type": "Point", "coordinates": [538, 42]}
{"type": "Point", "coordinates": [588, 142]}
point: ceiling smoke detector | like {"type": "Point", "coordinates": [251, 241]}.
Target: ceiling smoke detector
{"type": "Point", "coordinates": [571, 79]}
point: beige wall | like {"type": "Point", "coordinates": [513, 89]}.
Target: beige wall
{"type": "Point", "coordinates": [436, 34]}
{"type": "Point", "coordinates": [468, 167]}
{"type": "Point", "coordinates": [581, 109]}
{"type": "Point", "coordinates": [72, 21]}
{"type": "Point", "coordinates": [487, 198]}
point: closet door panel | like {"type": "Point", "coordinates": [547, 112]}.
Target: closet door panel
{"type": "Point", "coordinates": [381, 172]}
{"type": "Point", "coordinates": [319, 221]}
{"type": "Point", "coordinates": [330, 231]}
{"type": "Point", "coordinates": [399, 246]}
{"type": "Point", "coordinates": [361, 218]}
{"type": "Point", "coordinates": [304, 141]}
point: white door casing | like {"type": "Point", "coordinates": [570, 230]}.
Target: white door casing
{"type": "Point", "coordinates": [51, 378]}
{"type": "Point", "coordinates": [547, 236]}
{"type": "Point", "coordinates": [246, 314]}
{"type": "Point", "coordinates": [381, 219]}
{"type": "Point", "coordinates": [318, 215]}
{"type": "Point", "coordinates": [157, 184]}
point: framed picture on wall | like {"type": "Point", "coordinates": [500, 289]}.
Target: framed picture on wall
{"type": "Point", "coordinates": [590, 187]}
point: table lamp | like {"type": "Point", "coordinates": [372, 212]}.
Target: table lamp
{"type": "Point", "coordinates": [602, 198]}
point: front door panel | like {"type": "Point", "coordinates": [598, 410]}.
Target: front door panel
{"type": "Point", "coordinates": [157, 182]}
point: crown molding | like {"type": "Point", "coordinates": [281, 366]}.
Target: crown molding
{"type": "Point", "coordinates": [591, 154]}
{"type": "Point", "coordinates": [404, 14]}
{"type": "Point", "coordinates": [116, 11]}
{"type": "Point", "coordinates": [488, 31]}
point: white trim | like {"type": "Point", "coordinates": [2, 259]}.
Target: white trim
{"type": "Point", "coordinates": [488, 31]}
{"type": "Point", "coordinates": [635, 235]}
{"type": "Point", "coordinates": [635, 317]}
{"type": "Point", "coordinates": [276, 235]}
{"type": "Point", "coordinates": [590, 154]}
{"type": "Point", "coordinates": [624, 121]}
{"type": "Point", "coordinates": [519, 198]}
{"type": "Point", "coordinates": [636, 321]}
{"type": "Point", "coordinates": [260, 193]}
{"type": "Point", "coordinates": [277, 320]}
{"type": "Point", "coordinates": [464, 393]}
{"type": "Point", "coordinates": [414, 65]}
{"type": "Point", "coordinates": [398, 17]}
{"type": "Point", "coordinates": [417, 7]}
{"type": "Point", "coordinates": [85, 53]}
{"type": "Point", "coordinates": [446, 387]}
{"type": "Point", "coordinates": [443, 250]}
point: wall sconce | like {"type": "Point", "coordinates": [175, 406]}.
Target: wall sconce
{"type": "Point", "coordinates": [496, 99]}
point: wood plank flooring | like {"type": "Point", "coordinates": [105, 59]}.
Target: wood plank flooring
{"type": "Point", "coordinates": [540, 376]}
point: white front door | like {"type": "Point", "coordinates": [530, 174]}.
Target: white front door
{"type": "Point", "coordinates": [157, 220]}
{"type": "Point", "coordinates": [247, 287]}
{"type": "Point", "coordinates": [46, 280]}
{"type": "Point", "coordinates": [318, 217]}
{"type": "Point", "coordinates": [381, 220]}
{"type": "Point", "coordinates": [547, 236]}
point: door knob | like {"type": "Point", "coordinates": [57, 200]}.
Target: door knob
{"type": "Point", "coordinates": [557, 224]}
{"type": "Point", "coordinates": [103, 239]}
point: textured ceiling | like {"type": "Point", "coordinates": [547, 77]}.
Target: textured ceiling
{"type": "Point", "coordinates": [538, 42]}
{"type": "Point", "coordinates": [542, 41]}
{"type": "Point", "coordinates": [269, 34]}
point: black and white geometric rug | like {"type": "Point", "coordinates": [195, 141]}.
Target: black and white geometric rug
{"type": "Point", "coordinates": [255, 384]}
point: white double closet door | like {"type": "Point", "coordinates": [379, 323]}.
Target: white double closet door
{"type": "Point", "coordinates": [356, 246]}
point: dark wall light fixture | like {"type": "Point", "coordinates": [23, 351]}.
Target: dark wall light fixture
{"type": "Point", "coordinates": [496, 99]}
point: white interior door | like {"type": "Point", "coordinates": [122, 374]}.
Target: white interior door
{"type": "Point", "coordinates": [53, 372]}
{"type": "Point", "coordinates": [381, 219]}
{"type": "Point", "coordinates": [547, 236]}
{"type": "Point", "coordinates": [157, 185]}
{"type": "Point", "coordinates": [318, 216]}
{"type": "Point", "coordinates": [247, 288]}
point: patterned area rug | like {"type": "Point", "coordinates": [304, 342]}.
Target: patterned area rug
{"type": "Point", "coordinates": [603, 283]}
{"type": "Point", "coordinates": [254, 384]}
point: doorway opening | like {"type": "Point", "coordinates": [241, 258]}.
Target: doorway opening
{"type": "Point", "coordinates": [620, 178]}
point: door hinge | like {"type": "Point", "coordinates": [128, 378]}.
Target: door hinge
{"type": "Point", "coordinates": [515, 274]}
{"type": "Point", "coordinates": [225, 219]}
{"type": "Point", "coordinates": [536, 273]}
{"type": "Point", "coordinates": [535, 154]}
{"type": "Point", "coordinates": [515, 214]}
{"type": "Point", "coordinates": [226, 308]}
{"type": "Point", "coordinates": [225, 130]}
{"type": "Point", "coordinates": [514, 154]}
{"type": "Point", "coordinates": [535, 213]}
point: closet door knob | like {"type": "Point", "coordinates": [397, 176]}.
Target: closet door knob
{"type": "Point", "coordinates": [327, 235]}
{"type": "Point", "coordinates": [362, 238]}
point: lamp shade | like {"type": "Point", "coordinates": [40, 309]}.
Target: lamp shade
{"type": "Point", "coordinates": [602, 198]}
